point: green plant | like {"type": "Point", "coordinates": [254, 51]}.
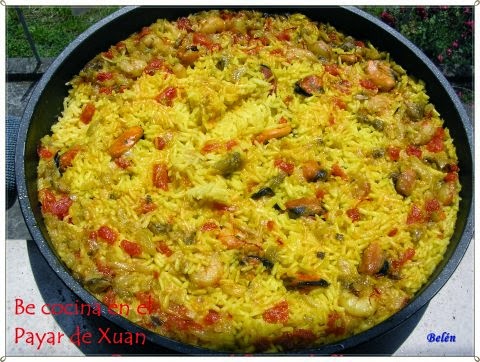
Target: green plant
{"type": "Point", "coordinates": [444, 33]}
{"type": "Point", "coordinates": [52, 28]}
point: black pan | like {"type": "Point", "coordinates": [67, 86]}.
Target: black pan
{"type": "Point", "coordinates": [46, 104]}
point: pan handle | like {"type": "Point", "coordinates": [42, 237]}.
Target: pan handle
{"type": "Point", "coordinates": [11, 128]}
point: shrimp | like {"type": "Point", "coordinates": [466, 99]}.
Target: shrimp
{"type": "Point", "coordinates": [271, 133]}
{"type": "Point", "coordinates": [381, 75]}
{"type": "Point", "coordinates": [132, 67]}
{"type": "Point", "coordinates": [231, 238]}
{"type": "Point", "coordinates": [405, 182]}
{"type": "Point", "coordinates": [210, 274]}
{"type": "Point", "coordinates": [358, 306]}
{"type": "Point", "coordinates": [211, 25]}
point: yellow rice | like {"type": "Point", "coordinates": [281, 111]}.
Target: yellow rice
{"type": "Point", "coordinates": [221, 269]}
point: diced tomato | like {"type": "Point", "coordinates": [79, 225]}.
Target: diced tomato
{"type": "Point", "coordinates": [368, 84]}
{"type": "Point", "coordinates": [62, 207]}
{"type": "Point", "coordinates": [108, 54]}
{"type": "Point", "coordinates": [159, 143]}
{"type": "Point", "coordinates": [332, 69]}
{"type": "Point", "coordinates": [107, 234]}
{"type": "Point", "coordinates": [209, 226]}
{"type": "Point", "coordinates": [277, 314]}
{"type": "Point", "coordinates": [415, 215]}
{"type": "Point", "coordinates": [120, 45]}
{"type": "Point", "coordinates": [284, 35]}
{"type": "Point", "coordinates": [219, 206]}
{"type": "Point", "coordinates": [413, 150]}
{"type": "Point", "coordinates": [146, 206]}
{"type": "Point", "coordinates": [122, 162]}
{"type": "Point", "coordinates": [451, 177]}
{"type": "Point", "coordinates": [120, 88]}
{"type": "Point", "coordinates": [104, 269]}
{"type": "Point", "coordinates": [320, 194]}
{"type": "Point", "coordinates": [155, 65]}
{"type": "Point", "coordinates": [87, 113]}
{"type": "Point", "coordinates": [287, 167]}
{"type": "Point", "coordinates": [359, 43]}
{"type": "Point", "coordinates": [452, 174]}
{"type": "Point", "coordinates": [453, 168]}
{"type": "Point", "coordinates": [145, 31]}
{"type": "Point", "coordinates": [103, 76]}
{"type": "Point", "coordinates": [434, 210]}
{"type": "Point", "coordinates": [163, 248]}
{"type": "Point", "coordinates": [278, 52]}
{"type": "Point", "coordinates": [211, 146]}
{"type": "Point", "coordinates": [211, 318]}
{"type": "Point", "coordinates": [393, 232]}
{"type": "Point", "coordinates": [331, 119]}
{"type": "Point", "coordinates": [167, 96]}
{"type": "Point", "coordinates": [66, 159]}
{"type": "Point", "coordinates": [436, 143]}
{"type": "Point", "coordinates": [408, 254]}
{"type": "Point", "coordinates": [354, 214]}
{"type": "Point", "coordinates": [227, 15]}
{"type": "Point", "coordinates": [335, 324]}
{"type": "Point", "coordinates": [47, 198]}
{"type": "Point", "coordinates": [184, 23]}
{"type": "Point", "coordinates": [439, 133]}
{"type": "Point", "coordinates": [393, 153]}
{"type": "Point", "coordinates": [92, 235]}
{"type": "Point", "coordinates": [44, 153]}
{"type": "Point", "coordinates": [160, 176]}
{"type": "Point", "coordinates": [53, 205]}
{"type": "Point", "coordinates": [338, 171]}
{"type": "Point", "coordinates": [105, 90]}
{"type": "Point", "coordinates": [270, 225]}
{"type": "Point", "coordinates": [202, 39]}
{"type": "Point", "coordinates": [230, 144]}
{"type": "Point", "coordinates": [339, 103]}
{"type": "Point", "coordinates": [131, 248]}
{"type": "Point", "coordinates": [432, 205]}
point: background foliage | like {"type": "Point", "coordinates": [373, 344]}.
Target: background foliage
{"type": "Point", "coordinates": [444, 33]}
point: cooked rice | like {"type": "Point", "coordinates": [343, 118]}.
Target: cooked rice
{"type": "Point", "coordinates": [171, 221]}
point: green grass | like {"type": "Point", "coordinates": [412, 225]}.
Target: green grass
{"type": "Point", "coordinates": [52, 28]}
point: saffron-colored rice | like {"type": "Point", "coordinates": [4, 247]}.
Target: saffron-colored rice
{"type": "Point", "coordinates": [262, 183]}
